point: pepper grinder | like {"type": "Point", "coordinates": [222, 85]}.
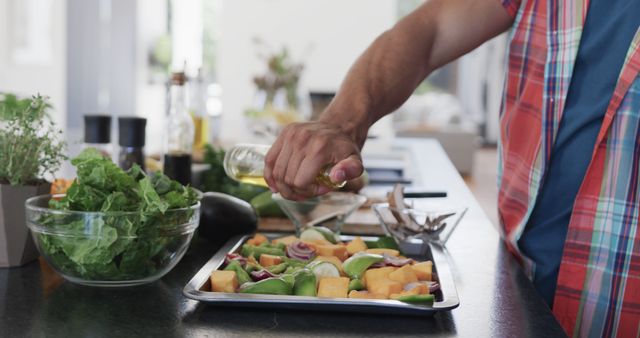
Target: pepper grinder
{"type": "Point", "coordinates": [97, 133]}
{"type": "Point", "coordinates": [131, 138]}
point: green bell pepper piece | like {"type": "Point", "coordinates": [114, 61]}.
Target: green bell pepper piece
{"type": "Point", "coordinates": [269, 286]}
{"type": "Point", "coordinates": [278, 269]}
{"type": "Point", "coordinates": [243, 276]}
{"type": "Point", "coordinates": [417, 299]}
{"type": "Point", "coordinates": [305, 283]}
{"type": "Point", "coordinates": [356, 284]}
{"type": "Point", "coordinates": [256, 251]}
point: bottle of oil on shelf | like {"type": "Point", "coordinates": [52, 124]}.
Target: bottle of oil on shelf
{"type": "Point", "coordinates": [179, 134]}
{"type": "Point", "coordinates": [197, 107]}
{"type": "Point", "coordinates": [245, 163]}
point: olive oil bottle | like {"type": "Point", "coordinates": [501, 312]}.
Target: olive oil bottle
{"type": "Point", "coordinates": [179, 134]}
{"type": "Point", "coordinates": [245, 163]}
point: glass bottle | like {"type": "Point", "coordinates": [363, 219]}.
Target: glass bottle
{"type": "Point", "coordinates": [197, 107]}
{"type": "Point", "coordinates": [245, 163]}
{"type": "Point", "coordinates": [131, 138]}
{"type": "Point", "coordinates": [97, 133]}
{"type": "Point", "coordinates": [179, 133]}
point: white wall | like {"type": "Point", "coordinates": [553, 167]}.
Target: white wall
{"type": "Point", "coordinates": [328, 35]}
{"type": "Point", "coordinates": [33, 50]}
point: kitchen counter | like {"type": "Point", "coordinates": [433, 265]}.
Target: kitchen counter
{"type": "Point", "coordinates": [496, 299]}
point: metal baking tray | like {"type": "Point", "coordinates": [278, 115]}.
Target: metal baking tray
{"type": "Point", "coordinates": [446, 298]}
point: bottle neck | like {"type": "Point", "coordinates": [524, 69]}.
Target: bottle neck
{"type": "Point", "coordinates": [177, 102]}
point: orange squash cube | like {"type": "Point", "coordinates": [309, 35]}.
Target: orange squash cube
{"type": "Point", "coordinates": [423, 270]}
{"type": "Point", "coordinates": [384, 287]}
{"type": "Point", "coordinates": [336, 250]}
{"type": "Point", "coordinates": [287, 240]}
{"type": "Point", "coordinates": [375, 274]}
{"type": "Point", "coordinates": [334, 287]}
{"type": "Point", "coordinates": [420, 289]}
{"type": "Point", "coordinates": [404, 275]}
{"type": "Point", "coordinates": [364, 295]}
{"type": "Point", "coordinates": [224, 281]}
{"type": "Point", "coordinates": [404, 293]}
{"type": "Point", "coordinates": [356, 245]}
{"type": "Point", "coordinates": [258, 239]}
{"type": "Point", "coordinates": [269, 260]}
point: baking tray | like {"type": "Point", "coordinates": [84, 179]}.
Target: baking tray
{"type": "Point", "coordinates": [445, 299]}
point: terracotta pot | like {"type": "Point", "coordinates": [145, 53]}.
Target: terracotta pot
{"type": "Point", "coordinates": [16, 245]}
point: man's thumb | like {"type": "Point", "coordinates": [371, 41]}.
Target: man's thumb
{"type": "Point", "coordinates": [347, 169]}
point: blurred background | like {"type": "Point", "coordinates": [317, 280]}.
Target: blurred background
{"type": "Point", "coordinates": [252, 66]}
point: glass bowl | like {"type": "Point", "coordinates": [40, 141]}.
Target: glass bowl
{"type": "Point", "coordinates": [110, 248]}
{"type": "Point", "coordinates": [431, 224]}
{"type": "Point", "coordinates": [329, 210]}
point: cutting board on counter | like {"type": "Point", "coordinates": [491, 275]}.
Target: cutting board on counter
{"type": "Point", "coordinates": [362, 222]}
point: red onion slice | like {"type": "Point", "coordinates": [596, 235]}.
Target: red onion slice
{"type": "Point", "coordinates": [235, 257]}
{"type": "Point", "coordinates": [433, 286]}
{"type": "Point", "coordinates": [261, 274]}
{"type": "Point", "coordinates": [300, 251]}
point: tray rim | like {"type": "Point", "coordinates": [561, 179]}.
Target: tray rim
{"type": "Point", "coordinates": [439, 254]}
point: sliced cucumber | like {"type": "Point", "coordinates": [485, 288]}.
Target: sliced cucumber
{"type": "Point", "coordinates": [311, 234]}
{"type": "Point", "coordinates": [328, 234]}
{"type": "Point", "coordinates": [323, 269]}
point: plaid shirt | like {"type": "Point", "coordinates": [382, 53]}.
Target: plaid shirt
{"type": "Point", "coordinates": [598, 292]}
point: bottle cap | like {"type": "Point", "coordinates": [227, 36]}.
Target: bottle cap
{"type": "Point", "coordinates": [131, 131]}
{"type": "Point", "coordinates": [178, 78]}
{"type": "Point", "coordinates": [97, 129]}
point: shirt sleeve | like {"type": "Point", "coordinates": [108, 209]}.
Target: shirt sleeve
{"type": "Point", "coordinates": [511, 6]}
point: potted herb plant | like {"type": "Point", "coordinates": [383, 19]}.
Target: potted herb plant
{"type": "Point", "coordinates": [30, 150]}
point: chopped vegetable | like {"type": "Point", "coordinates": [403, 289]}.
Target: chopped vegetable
{"type": "Point", "coordinates": [305, 283]}
{"type": "Point", "coordinates": [243, 276]}
{"type": "Point", "coordinates": [323, 269]}
{"type": "Point", "coordinates": [311, 234]}
{"type": "Point", "coordinates": [256, 251]}
{"type": "Point", "coordinates": [224, 281]}
{"type": "Point", "coordinates": [418, 299]}
{"type": "Point", "coordinates": [356, 265]}
{"type": "Point", "coordinates": [397, 277]}
{"type": "Point", "coordinates": [385, 242]}
{"type": "Point", "coordinates": [261, 274]}
{"type": "Point", "coordinates": [269, 286]}
{"type": "Point", "coordinates": [356, 284]}
{"type": "Point", "coordinates": [235, 257]}
{"type": "Point", "coordinates": [277, 269]}
{"type": "Point", "coordinates": [300, 251]}
{"type": "Point", "coordinates": [334, 287]}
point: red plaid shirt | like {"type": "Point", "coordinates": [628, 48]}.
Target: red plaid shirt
{"type": "Point", "coordinates": [598, 292]}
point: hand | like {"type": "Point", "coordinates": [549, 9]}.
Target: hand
{"type": "Point", "coordinates": [301, 152]}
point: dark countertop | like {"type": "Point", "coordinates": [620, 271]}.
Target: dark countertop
{"type": "Point", "coordinates": [496, 299]}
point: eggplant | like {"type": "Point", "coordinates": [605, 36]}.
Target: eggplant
{"type": "Point", "coordinates": [223, 216]}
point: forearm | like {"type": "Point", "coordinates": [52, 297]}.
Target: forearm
{"type": "Point", "coordinates": [387, 73]}
{"type": "Point", "coordinates": [377, 83]}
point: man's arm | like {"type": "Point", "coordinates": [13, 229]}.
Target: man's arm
{"type": "Point", "coordinates": [382, 78]}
